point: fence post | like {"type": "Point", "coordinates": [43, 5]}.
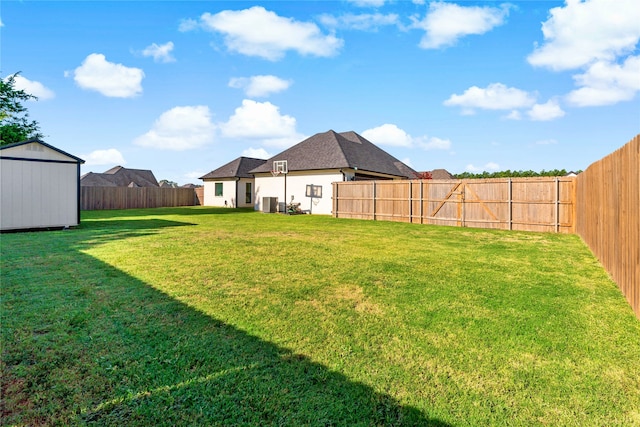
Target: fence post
{"type": "Point", "coordinates": [510, 208]}
{"type": "Point", "coordinates": [460, 207]}
{"type": "Point", "coordinates": [463, 195]}
{"type": "Point", "coordinates": [410, 201]}
{"type": "Point", "coordinates": [557, 202]}
{"type": "Point", "coordinates": [374, 199]}
{"type": "Point", "coordinates": [334, 200]}
{"type": "Point", "coordinates": [421, 202]}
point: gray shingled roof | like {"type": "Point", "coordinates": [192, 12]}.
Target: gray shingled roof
{"type": "Point", "coordinates": [92, 179]}
{"type": "Point", "coordinates": [238, 168]}
{"type": "Point", "coordinates": [332, 150]}
{"type": "Point", "coordinates": [120, 177]}
{"type": "Point", "coordinates": [441, 174]}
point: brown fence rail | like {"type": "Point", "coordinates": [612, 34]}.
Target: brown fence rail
{"type": "Point", "coordinates": [608, 216]}
{"type": "Point", "coordinates": [527, 204]}
{"type": "Point", "coordinates": [99, 198]}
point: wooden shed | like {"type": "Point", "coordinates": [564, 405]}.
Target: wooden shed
{"type": "Point", "coordinates": [39, 187]}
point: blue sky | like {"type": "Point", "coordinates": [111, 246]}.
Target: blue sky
{"type": "Point", "coordinates": [183, 87]}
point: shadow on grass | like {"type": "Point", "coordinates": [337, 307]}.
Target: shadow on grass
{"type": "Point", "coordinates": [86, 343]}
{"type": "Point", "coordinates": [181, 210]}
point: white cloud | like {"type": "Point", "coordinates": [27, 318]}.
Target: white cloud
{"type": "Point", "coordinates": [550, 110]}
{"type": "Point", "coordinates": [363, 22]}
{"type": "Point", "coordinates": [178, 129]}
{"type": "Point", "coordinates": [496, 96]}
{"type": "Point", "coordinates": [33, 88]}
{"type": "Point", "coordinates": [514, 115]}
{"type": "Point", "coordinates": [433, 143]}
{"type": "Point", "coordinates": [262, 120]}
{"type": "Point", "coordinates": [160, 53]}
{"type": "Point", "coordinates": [605, 83]}
{"type": "Point", "coordinates": [187, 25]}
{"type": "Point", "coordinates": [445, 23]}
{"type": "Point", "coordinates": [258, 32]}
{"type": "Point", "coordinates": [110, 156]}
{"type": "Point", "coordinates": [260, 86]}
{"type": "Point", "coordinates": [491, 166]}
{"type": "Point", "coordinates": [108, 78]}
{"type": "Point", "coordinates": [391, 135]}
{"type": "Point", "coordinates": [582, 32]}
{"type": "Point", "coordinates": [257, 153]}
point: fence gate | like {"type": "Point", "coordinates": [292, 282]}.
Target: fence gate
{"type": "Point", "coordinates": [458, 199]}
{"type": "Point", "coordinates": [527, 204]}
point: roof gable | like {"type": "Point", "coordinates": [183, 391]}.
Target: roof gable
{"type": "Point", "coordinates": [120, 177]}
{"type": "Point", "coordinates": [441, 174]}
{"type": "Point", "coordinates": [238, 168]}
{"type": "Point", "coordinates": [28, 149]}
{"type": "Point", "coordinates": [332, 150]}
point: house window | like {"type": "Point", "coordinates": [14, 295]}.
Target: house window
{"type": "Point", "coordinates": [218, 189]}
{"type": "Point", "coordinates": [314, 191]}
{"type": "Point", "coordinates": [247, 193]}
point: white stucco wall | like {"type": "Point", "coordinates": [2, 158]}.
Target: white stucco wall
{"type": "Point", "coordinates": [231, 190]}
{"type": "Point", "coordinates": [242, 189]}
{"type": "Point", "coordinates": [37, 194]}
{"type": "Point", "coordinates": [296, 183]}
{"type": "Point", "coordinates": [228, 192]}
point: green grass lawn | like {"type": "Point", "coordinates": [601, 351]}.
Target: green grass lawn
{"type": "Point", "coordinates": [200, 316]}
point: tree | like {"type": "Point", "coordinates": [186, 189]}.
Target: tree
{"type": "Point", "coordinates": [15, 125]}
{"type": "Point", "coordinates": [167, 183]}
{"type": "Point", "coordinates": [511, 174]}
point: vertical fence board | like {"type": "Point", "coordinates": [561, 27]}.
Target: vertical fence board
{"type": "Point", "coordinates": [608, 216]}
{"type": "Point", "coordinates": [103, 198]}
{"type": "Point", "coordinates": [528, 204]}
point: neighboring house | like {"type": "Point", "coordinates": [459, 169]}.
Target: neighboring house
{"type": "Point", "coordinates": [120, 177]}
{"type": "Point", "coordinates": [315, 163]}
{"type": "Point", "coordinates": [39, 186]}
{"type": "Point", "coordinates": [441, 174]}
{"type": "Point", "coordinates": [232, 185]}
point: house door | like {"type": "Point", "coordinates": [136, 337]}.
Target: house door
{"type": "Point", "coordinates": [247, 193]}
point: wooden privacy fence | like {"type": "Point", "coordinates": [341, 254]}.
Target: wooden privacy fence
{"type": "Point", "coordinates": [608, 216]}
{"type": "Point", "coordinates": [98, 198]}
{"type": "Point", "coordinates": [527, 204]}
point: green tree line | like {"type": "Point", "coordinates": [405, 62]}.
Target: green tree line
{"type": "Point", "coordinates": [512, 174]}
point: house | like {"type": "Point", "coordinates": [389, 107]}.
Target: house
{"type": "Point", "coordinates": [308, 169]}
{"type": "Point", "coordinates": [232, 185]}
{"type": "Point", "coordinates": [120, 177]}
{"type": "Point", "coordinates": [441, 174]}
{"type": "Point", "coordinates": [39, 186]}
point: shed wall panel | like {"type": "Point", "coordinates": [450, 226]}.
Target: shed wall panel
{"type": "Point", "coordinates": [38, 195]}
